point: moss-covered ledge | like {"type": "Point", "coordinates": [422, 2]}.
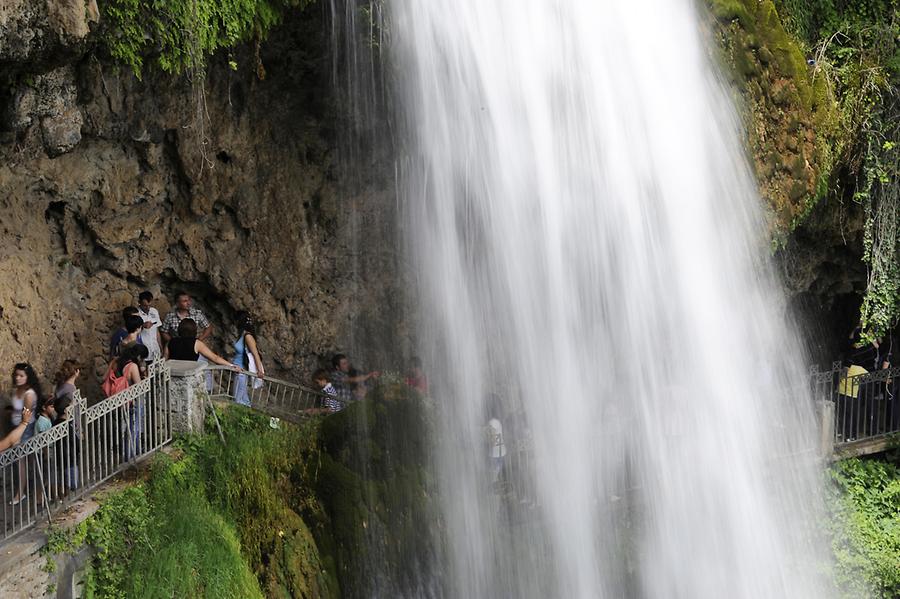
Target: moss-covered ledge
{"type": "Point", "coordinates": [210, 520]}
{"type": "Point", "coordinates": [340, 506]}
{"type": "Point", "coordinates": [790, 113]}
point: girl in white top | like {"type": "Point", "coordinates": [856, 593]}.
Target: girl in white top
{"type": "Point", "coordinates": [26, 394]}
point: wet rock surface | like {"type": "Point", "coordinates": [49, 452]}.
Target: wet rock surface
{"type": "Point", "coordinates": [229, 187]}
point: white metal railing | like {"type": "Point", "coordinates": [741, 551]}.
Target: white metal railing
{"type": "Point", "coordinates": [51, 469]}
{"type": "Point", "coordinates": [270, 395]}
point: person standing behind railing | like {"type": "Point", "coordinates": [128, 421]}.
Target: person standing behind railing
{"type": "Point", "coordinates": [26, 394]}
{"type": "Point", "coordinates": [331, 402]}
{"type": "Point", "coordinates": [116, 339]}
{"type": "Point", "coordinates": [134, 324]}
{"type": "Point", "coordinates": [494, 433]}
{"type": "Point", "coordinates": [65, 379]}
{"type": "Point", "coordinates": [415, 376]}
{"type": "Point", "coordinates": [14, 437]}
{"type": "Point", "coordinates": [246, 357]}
{"type": "Point", "coordinates": [186, 346]}
{"type": "Point", "coordinates": [68, 414]}
{"type": "Point", "coordinates": [124, 372]}
{"type": "Point", "coordinates": [857, 401]}
{"type": "Point", "coordinates": [150, 333]}
{"type": "Point", "coordinates": [345, 378]}
{"type": "Point", "coordinates": [67, 411]}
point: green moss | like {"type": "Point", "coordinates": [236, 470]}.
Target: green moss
{"type": "Point", "coordinates": [196, 551]}
{"type": "Point", "coordinates": [782, 95]}
{"type": "Point", "coordinates": [215, 522]}
{"type": "Point", "coordinates": [373, 479]}
{"type": "Point", "coordinates": [179, 35]}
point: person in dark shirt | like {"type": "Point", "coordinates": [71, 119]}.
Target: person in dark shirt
{"type": "Point", "coordinates": [186, 346]}
{"type": "Point", "coordinates": [116, 339]}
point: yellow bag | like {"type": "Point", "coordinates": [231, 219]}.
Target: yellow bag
{"type": "Point", "coordinates": [851, 388]}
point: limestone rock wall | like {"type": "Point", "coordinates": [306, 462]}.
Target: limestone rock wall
{"type": "Point", "coordinates": [229, 187]}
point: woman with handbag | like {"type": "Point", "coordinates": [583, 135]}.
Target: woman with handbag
{"type": "Point", "coordinates": [246, 357]}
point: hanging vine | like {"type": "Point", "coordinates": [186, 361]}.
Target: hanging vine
{"type": "Point", "coordinates": [855, 45]}
{"type": "Point", "coordinates": [880, 194]}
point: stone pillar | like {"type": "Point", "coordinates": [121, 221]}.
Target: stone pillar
{"type": "Point", "coordinates": [825, 412]}
{"type": "Point", "coordinates": [187, 394]}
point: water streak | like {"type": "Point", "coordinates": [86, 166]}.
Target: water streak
{"type": "Point", "coordinates": [589, 246]}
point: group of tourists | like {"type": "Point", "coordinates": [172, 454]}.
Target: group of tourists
{"type": "Point", "coordinates": [143, 337]}
{"type": "Point", "coordinates": [32, 413]}
{"type": "Point", "coordinates": [181, 335]}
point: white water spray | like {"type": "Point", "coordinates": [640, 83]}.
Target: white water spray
{"type": "Point", "coordinates": [590, 248]}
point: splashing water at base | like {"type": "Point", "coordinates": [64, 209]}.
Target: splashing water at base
{"type": "Point", "coordinates": [590, 249]}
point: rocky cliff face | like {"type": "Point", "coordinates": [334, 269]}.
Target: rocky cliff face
{"type": "Point", "coordinates": [229, 187]}
{"type": "Point", "coordinates": [233, 186]}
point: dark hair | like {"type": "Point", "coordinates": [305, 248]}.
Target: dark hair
{"type": "Point", "coordinates": [180, 293]}
{"type": "Point", "coordinates": [133, 322]}
{"type": "Point", "coordinates": [319, 375]}
{"type": "Point", "coordinates": [65, 372]}
{"type": "Point", "coordinates": [245, 322]}
{"type": "Point", "coordinates": [47, 402]}
{"type": "Point", "coordinates": [145, 295]}
{"type": "Point", "coordinates": [415, 362]}
{"type": "Point", "coordinates": [187, 328]}
{"type": "Point", "coordinates": [62, 403]}
{"type": "Point", "coordinates": [128, 311]}
{"type": "Point", "coordinates": [31, 381]}
{"type": "Point", "coordinates": [336, 360]}
{"type": "Point", "coordinates": [135, 353]}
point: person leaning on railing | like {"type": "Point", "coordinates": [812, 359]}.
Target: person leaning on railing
{"type": "Point", "coordinates": [186, 346]}
{"type": "Point", "coordinates": [246, 357]}
{"type": "Point", "coordinates": [15, 435]}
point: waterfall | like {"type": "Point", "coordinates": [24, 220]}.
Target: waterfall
{"type": "Point", "coordinates": [590, 256]}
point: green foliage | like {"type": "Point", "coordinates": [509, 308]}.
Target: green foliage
{"type": "Point", "coordinates": [215, 522]}
{"type": "Point", "coordinates": [865, 527]}
{"type": "Point", "coordinates": [880, 194]}
{"type": "Point", "coordinates": [856, 45]}
{"type": "Point", "coordinates": [179, 35]}
{"type": "Point", "coordinates": [791, 117]}
{"type": "Point", "coordinates": [196, 552]}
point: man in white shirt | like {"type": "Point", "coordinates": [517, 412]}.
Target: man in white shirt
{"type": "Point", "coordinates": [152, 322]}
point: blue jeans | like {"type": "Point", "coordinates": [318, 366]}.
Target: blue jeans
{"type": "Point", "coordinates": [241, 395]}
{"type": "Point", "coordinates": [135, 416]}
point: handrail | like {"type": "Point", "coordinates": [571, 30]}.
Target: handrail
{"type": "Point", "coordinates": [866, 405]}
{"type": "Point", "coordinates": [48, 471]}
{"type": "Point", "coordinates": [876, 376]}
{"type": "Point", "coordinates": [265, 378]}
{"type": "Point", "coordinates": [267, 394]}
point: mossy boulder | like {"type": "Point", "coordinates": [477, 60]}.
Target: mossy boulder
{"type": "Point", "coordinates": [791, 117]}
{"type": "Point", "coordinates": [374, 479]}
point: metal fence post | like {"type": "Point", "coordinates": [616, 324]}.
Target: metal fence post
{"type": "Point", "coordinates": [826, 427]}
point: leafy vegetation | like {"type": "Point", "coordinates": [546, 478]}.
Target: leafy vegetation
{"type": "Point", "coordinates": [218, 521]}
{"type": "Point", "coordinates": [820, 81]}
{"type": "Point", "coordinates": [856, 45]}
{"type": "Point", "coordinates": [179, 35]}
{"type": "Point", "coordinates": [865, 527]}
